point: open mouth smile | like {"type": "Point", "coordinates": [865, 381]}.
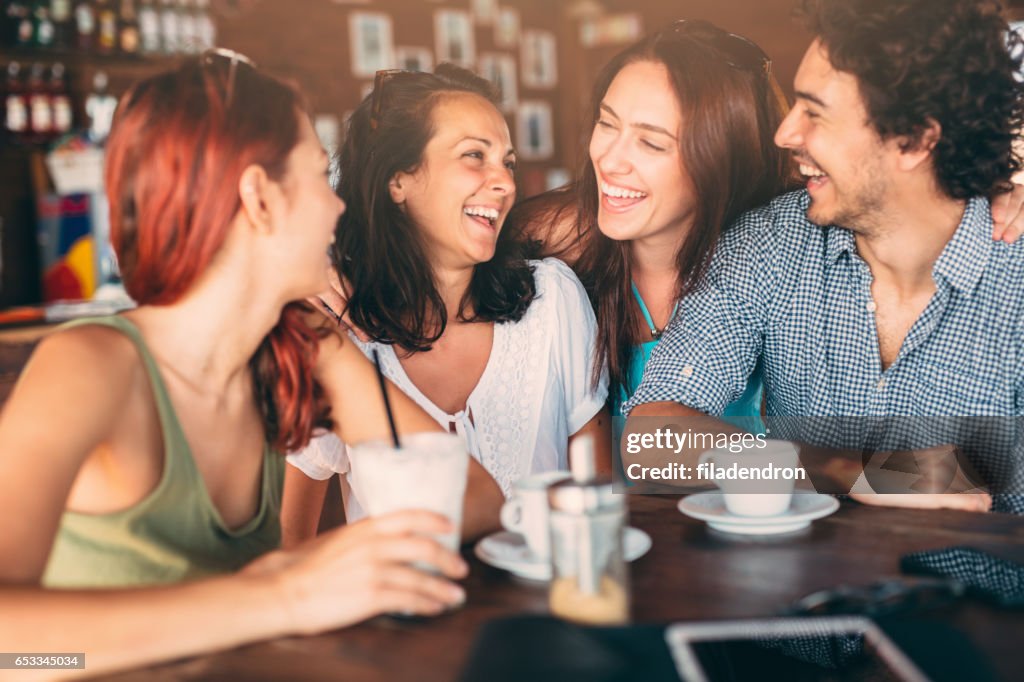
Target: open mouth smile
{"type": "Point", "coordinates": [614, 197]}
{"type": "Point", "coordinates": [484, 215]}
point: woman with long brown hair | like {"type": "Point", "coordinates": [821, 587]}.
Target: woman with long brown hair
{"type": "Point", "coordinates": [495, 347]}
{"type": "Point", "coordinates": [680, 146]}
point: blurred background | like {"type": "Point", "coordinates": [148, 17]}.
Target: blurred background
{"type": "Point", "coordinates": [66, 61]}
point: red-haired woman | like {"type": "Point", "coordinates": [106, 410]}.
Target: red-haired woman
{"type": "Point", "coordinates": [142, 450]}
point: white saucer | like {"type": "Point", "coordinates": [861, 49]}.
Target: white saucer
{"type": "Point", "coordinates": [805, 507]}
{"type": "Point", "coordinates": [508, 551]}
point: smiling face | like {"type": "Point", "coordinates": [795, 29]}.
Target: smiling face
{"type": "Point", "coordinates": [463, 189]}
{"type": "Point", "coordinates": [309, 213]}
{"type": "Point", "coordinates": [645, 192]}
{"type": "Point", "coordinates": [848, 167]}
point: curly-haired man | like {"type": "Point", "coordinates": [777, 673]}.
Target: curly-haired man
{"type": "Point", "coordinates": [876, 291]}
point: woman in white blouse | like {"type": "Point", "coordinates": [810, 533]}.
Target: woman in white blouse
{"type": "Point", "coordinates": [494, 347]}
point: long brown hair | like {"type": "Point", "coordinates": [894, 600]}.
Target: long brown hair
{"type": "Point", "coordinates": [379, 251]}
{"type": "Point", "coordinates": [179, 144]}
{"type": "Point", "coordinates": [730, 115]}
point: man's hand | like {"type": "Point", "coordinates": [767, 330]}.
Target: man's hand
{"type": "Point", "coordinates": [974, 502]}
{"type": "Point", "coordinates": [929, 478]}
{"type": "Point", "coordinates": [1008, 215]}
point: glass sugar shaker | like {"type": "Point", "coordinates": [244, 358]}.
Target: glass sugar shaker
{"type": "Point", "coordinates": [590, 578]}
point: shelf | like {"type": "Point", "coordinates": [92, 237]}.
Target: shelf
{"type": "Point", "coordinates": [34, 54]}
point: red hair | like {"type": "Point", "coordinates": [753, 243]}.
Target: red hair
{"type": "Point", "coordinates": [175, 156]}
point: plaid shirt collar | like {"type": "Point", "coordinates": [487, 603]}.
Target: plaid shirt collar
{"type": "Point", "coordinates": [961, 263]}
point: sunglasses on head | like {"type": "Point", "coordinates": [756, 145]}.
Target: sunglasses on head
{"type": "Point", "coordinates": [380, 79]}
{"type": "Point", "coordinates": [737, 51]}
{"type": "Point", "coordinates": [217, 56]}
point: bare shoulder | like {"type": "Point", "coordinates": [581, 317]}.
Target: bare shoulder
{"type": "Point", "coordinates": [89, 370]}
{"type": "Point", "coordinates": [92, 348]}
{"type": "Point", "coordinates": [70, 399]}
{"type": "Point", "coordinates": [336, 350]}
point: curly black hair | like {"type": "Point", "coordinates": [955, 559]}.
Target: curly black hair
{"type": "Point", "coordinates": [954, 62]}
{"type": "Point", "coordinates": [379, 251]}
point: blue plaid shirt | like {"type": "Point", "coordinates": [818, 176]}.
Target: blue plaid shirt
{"type": "Point", "coordinates": [797, 296]}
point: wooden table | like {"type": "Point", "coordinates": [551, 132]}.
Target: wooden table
{"type": "Point", "coordinates": [691, 573]}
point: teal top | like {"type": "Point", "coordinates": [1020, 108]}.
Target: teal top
{"type": "Point", "coordinates": [745, 412]}
{"type": "Point", "coordinates": [175, 533]}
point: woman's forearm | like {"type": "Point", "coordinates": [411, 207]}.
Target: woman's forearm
{"type": "Point", "coordinates": [125, 628]}
{"type": "Point", "coordinates": [301, 506]}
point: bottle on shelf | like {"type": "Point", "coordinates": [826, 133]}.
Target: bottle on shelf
{"type": "Point", "coordinates": [43, 32]}
{"type": "Point", "coordinates": [169, 26]}
{"type": "Point", "coordinates": [40, 115]}
{"type": "Point", "coordinates": [85, 25]}
{"type": "Point", "coordinates": [15, 104]}
{"type": "Point", "coordinates": [207, 30]}
{"type": "Point", "coordinates": [106, 21]}
{"type": "Point", "coordinates": [60, 101]}
{"type": "Point", "coordinates": [99, 109]}
{"type": "Point", "coordinates": [60, 14]}
{"type": "Point", "coordinates": [128, 35]}
{"type": "Point", "coordinates": [149, 27]}
{"type": "Point", "coordinates": [23, 28]}
{"type": "Point", "coordinates": [188, 28]}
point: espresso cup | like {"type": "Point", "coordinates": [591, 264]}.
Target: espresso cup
{"type": "Point", "coordinates": [526, 512]}
{"type": "Point", "coordinates": [764, 489]}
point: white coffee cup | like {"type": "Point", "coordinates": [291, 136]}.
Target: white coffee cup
{"type": "Point", "coordinates": [428, 472]}
{"type": "Point", "coordinates": [769, 495]}
{"type": "Point", "coordinates": [526, 512]}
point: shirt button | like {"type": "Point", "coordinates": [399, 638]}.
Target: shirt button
{"type": "Point", "coordinates": [687, 371]}
{"type": "Point", "coordinates": [881, 384]}
{"type": "Point", "coordinates": [871, 306]}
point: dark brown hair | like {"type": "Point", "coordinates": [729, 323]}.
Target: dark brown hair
{"type": "Point", "coordinates": [177, 149]}
{"type": "Point", "coordinates": [393, 296]}
{"type": "Point", "coordinates": [730, 115]}
{"type": "Point", "coordinates": [933, 60]}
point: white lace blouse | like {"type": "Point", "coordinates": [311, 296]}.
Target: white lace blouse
{"type": "Point", "coordinates": [535, 390]}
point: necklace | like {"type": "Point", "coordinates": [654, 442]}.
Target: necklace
{"type": "Point", "coordinates": [655, 332]}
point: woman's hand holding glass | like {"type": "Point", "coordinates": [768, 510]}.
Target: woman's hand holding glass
{"type": "Point", "coordinates": [363, 570]}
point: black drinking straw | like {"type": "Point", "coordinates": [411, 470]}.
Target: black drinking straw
{"type": "Point", "coordinates": [387, 401]}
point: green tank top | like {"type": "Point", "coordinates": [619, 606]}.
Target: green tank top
{"type": "Point", "coordinates": [175, 533]}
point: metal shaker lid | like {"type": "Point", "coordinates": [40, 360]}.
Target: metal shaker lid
{"type": "Point", "coordinates": [589, 497]}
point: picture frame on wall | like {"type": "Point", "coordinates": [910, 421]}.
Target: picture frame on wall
{"type": "Point", "coordinates": [371, 43]}
{"type": "Point", "coordinates": [485, 12]}
{"type": "Point", "coordinates": [538, 60]}
{"type": "Point", "coordinates": [557, 177]}
{"type": "Point", "coordinates": [328, 131]}
{"type": "Point", "coordinates": [535, 140]}
{"type": "Point", "coordinates": [500, 70]}
{"type": "Point", "coordinates": [454, 40]}
{"type": "Point", "coordinates": [506, 27]}
{"type": "Point", "coordinates": [414, 59]}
